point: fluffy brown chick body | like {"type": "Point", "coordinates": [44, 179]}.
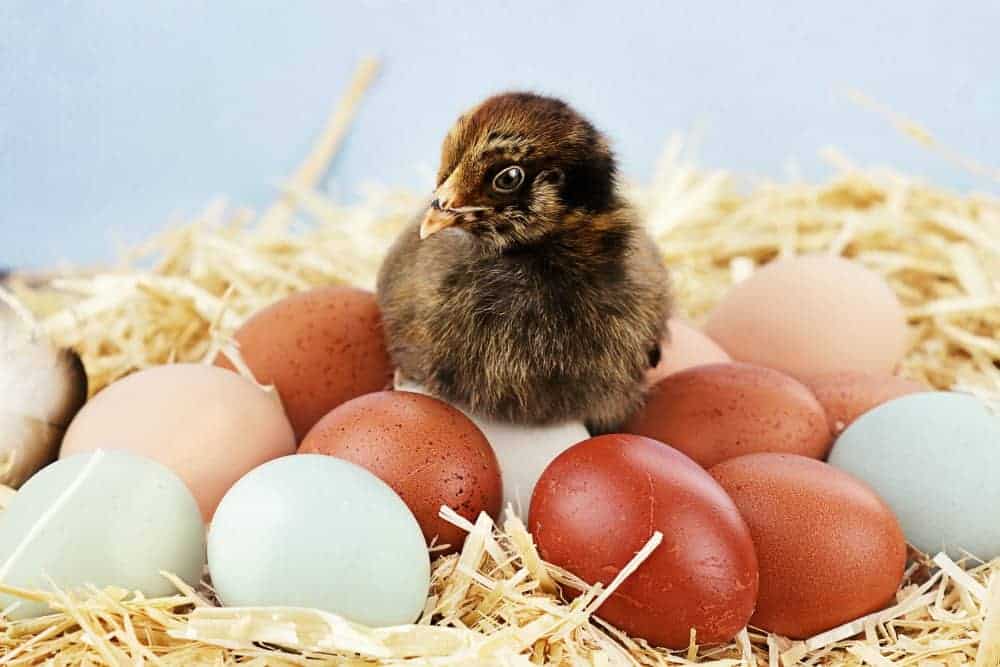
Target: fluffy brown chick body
{"type": "Point", "coordinates": [528, 291]}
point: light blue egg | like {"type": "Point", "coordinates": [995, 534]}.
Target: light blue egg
{"type": "Point", "coordinates": [934, 458]}
{"type": "Point", "coordinates": [315, 531]}
{"type": "Point", "coordinates": [104, 518]}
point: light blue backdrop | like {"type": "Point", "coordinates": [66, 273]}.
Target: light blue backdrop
{"type": "Point", "coordinates": [115, 114]}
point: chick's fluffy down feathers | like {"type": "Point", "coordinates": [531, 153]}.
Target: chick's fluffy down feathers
{"type": "Point", "coordinates": [528, 336]}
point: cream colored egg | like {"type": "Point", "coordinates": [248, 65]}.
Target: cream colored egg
{"type": "Point", "coordinates": [522, 451]}
{"type": "Point", "coordinates": [812, 314]}
{"type": "Point", "coordinates": [103, 518]}
{"type": "Point", "coordinates": [208, 425]}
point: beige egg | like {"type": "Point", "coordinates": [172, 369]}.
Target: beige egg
{"type": "Point", "coordinates": [684, 347]}
{"type": "Point", "coordinates": [812, 314]}
{"type": "Point", "coordinates": [209, 425]}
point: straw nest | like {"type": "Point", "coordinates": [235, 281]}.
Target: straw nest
{"type": "Point", "coordinates": [180, 296]}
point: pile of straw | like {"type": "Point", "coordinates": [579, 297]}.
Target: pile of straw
{"type": "Point", "coordinates": [179, 297]}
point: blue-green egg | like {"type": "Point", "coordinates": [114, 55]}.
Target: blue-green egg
{"type": "Point", "coordinates": [933, 458]}
{"type": "Point", "coordinates": [315, 531]}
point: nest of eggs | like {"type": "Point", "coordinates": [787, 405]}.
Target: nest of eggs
{"type": "Point", "coordinates": [180, 296]}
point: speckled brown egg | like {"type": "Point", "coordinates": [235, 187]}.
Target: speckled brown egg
{"type": "Point", "coordinates": [319, 349]}
{"type": "Point", "coordinates": [847, 395]}
{"type": "Point", "coordinates": [721, 411]}
{"type": "Point", "coordinates": [600, 501]}
{"type": "Point", "coordinates": [427, 451]}
{"type": "Point", "coordinates": [830, 550]}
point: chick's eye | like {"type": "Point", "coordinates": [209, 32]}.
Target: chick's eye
{"type": "Point", "coordinates": [508, 180]}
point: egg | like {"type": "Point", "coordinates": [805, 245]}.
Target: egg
{"type": "Point", "coordinates": [322, 533]}
{"type": "Point", "coordinates": [683, 347]}
{"type": "Point", "coordinates": [721, 411]}
{"type": "Point", "coordinates": [522, 451]}
{"type": "Point", "coordinates": [319, 349]}
{"type": "Point", "coordinates": [830, 550]}
{"type": "Point", "coordinates": [847, 395]}
{"type": "Point", "coordinates": [933, 457]}
{"type": "Point", "coordinates": [426, 450]}
{"type": "Point", "coordinates": [600, 501]}
{"type": "Point", "coordinates": [812, 314]}
{"type": "Point", "coordinates": [101, 518]}
{"type": "Point", "coordinates": [208, 425]}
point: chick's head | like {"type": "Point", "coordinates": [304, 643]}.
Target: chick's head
{"type": "Point", "coordinates": [516, 167]}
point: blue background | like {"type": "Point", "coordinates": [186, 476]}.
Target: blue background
{"type": "Point", "coordinates": [116, 114]}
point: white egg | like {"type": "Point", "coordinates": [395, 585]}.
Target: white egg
{"type": "Point", "coordinates": [522, 451]}
{"type": "Point", "coordinates": [933, 458]}
{"type": "Point", "coordinates": [315, 531]}
{"type": "Point", "coordinates": [104, 518]}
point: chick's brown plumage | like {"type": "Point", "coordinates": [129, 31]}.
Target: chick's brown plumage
{"type": "Point", "coordinates": [527, 291]}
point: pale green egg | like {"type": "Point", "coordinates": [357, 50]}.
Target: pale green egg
{"type": "Point", "coordinates": [315, 531]}
{"type": "Point", "coordinates": [933, 458]}
{"type": "Point", "coordinates": [103, 518]}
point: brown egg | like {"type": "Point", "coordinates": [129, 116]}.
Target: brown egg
{"type": "Point", "coordinates": [600, 501]}
{"type": "Point", "coordinates": [830, 550]}
{"type": "Point", "coordinates": [319, 349]}
{"type": "Point", "coordinates": [847, 395]}
{"type": "Point", "coordinates": [685, 346]}
{"type": "Point", "coordinates": [427, 451]}
{"type": "Point", "coordinates": [721, 411]}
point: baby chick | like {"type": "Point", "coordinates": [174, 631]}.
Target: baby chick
{"type": "Point", "coordinates": [527, 291]}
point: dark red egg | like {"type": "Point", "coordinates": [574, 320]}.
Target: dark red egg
{"type": "Point", "coordinates": [600, 501]}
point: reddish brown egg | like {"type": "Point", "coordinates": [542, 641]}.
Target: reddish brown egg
{"type": "Point", "coordinates": [847, 395]}
{"type": "Point", "coordinates": [600, 501]}
{"type": "Point", "coordinates": [721, 411]}
{"type": "Point", "coordinates": [830, 550]}
{"type": "Point", "coordinates": [318, 348]}
{"type": "Point", "coordinates": [427, 451]}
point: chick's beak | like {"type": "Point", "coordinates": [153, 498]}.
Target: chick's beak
{"type": "Point", "coordinates": [435, 220]}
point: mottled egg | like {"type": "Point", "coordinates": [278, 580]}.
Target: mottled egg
{"type": "Point", "coordinates": [684, 347]}
{"type": "Point", "coordinates": [830, 550]}
{"type": "Point", "coordinates": [426, 450]}
{"type": "Point", "coordinates": [319, 532]}
{"type": "Point", "coordinates": [600, 501]}
{"type": "Point", "coordinates": [812, 314]}
{"type": "Point", "coordinates": [847, 395]}
{"type": "Point", "coordinates": [933, 457]}
{"type": "Point", "coordinates": [206, 424]}
{"type": "Point", "coordinates": [101, 518]}
{"type": "Point", "coordinates": [523, 451]}
{"type": "Point", "coordinates": [319, 349]}
{"type": "Point", "coordinates": [721, 411]}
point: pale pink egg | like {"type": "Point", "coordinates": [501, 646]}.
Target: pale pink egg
{"type": "Point", "coordinates": [686, 347]}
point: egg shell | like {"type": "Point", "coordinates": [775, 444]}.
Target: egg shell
{"type": "Point", "coordinates": [322, 533]}
{"type": "Point", "coordinates": [319, 348]}
{"type": "Point", "coordinates": [426, 450]}
{"type": "Point", "coordinates": [721, 411]}
{"type": "Point", "coordinates": [522, 451]}
{"type": "Point", "coordinates": [933, 457]}
{"type": "Point", "coordinates": [685, 346]}
{"type": "Point", "coordinates": [812, 314]}
{"type": "Point", "coordinates": [847, 395]}
{"type": "Point", "coordinates": [102, 518]}
{"type": "Point", "coordinates": [208, 425]}
{"type": "Point", "coordinates": [830, 550]}
{"type": "Point", "coordinates": [599, 502]}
